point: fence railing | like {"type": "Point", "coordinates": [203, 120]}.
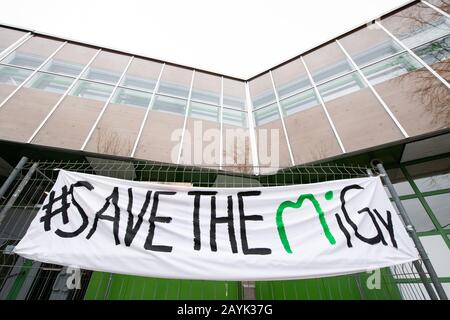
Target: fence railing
{"type": "Point", "coordinates": [22, 198]}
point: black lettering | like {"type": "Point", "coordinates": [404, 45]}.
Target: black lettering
{"type": "Point", "coordinates": [196, 214]}
{"type": "Point", "coordinates": [243, 218]}
{"type": "Point", "coordinates": [153, 218]}
{"type": "Point", "coordinates": [228, 219]}
{"type": "Point", "coordinates": [131, 228]}
{"type": "Point", "coordinates": [388, 225]}
{"type": "Point", "coordinates": [114, 199]}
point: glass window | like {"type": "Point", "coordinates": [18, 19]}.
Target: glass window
{"type": "Point", "coordinates": [444, 5]}
{"type": "Point", "coordinates": [10, 78]}
{"type": "Point", "coordinates": [417, 24]}
{"type": "Point", "coordinates": [415, 96]}
{"type": "Point", "coordinates": [309, 131]}
{"type": "Point", "coordinates": [440, 204]}
{"type": "Point", "coordinates": [29, 106]}
{"type": "Point", "coordinates": [418, 215]}
{"type": "Point", "coordinates": [169, 104]}
{"type": "Point", "coordinates": [236, 142]}
{"type": "Point", "coordinates": [70, 60]}
{"type": "Point", "coordinates": [267, 114]}
{"type": "Point", "coordinates": [273, 152]}
{"type": "Point", "coordinates": [69, 125]}
{"type": "Point", "coordinates": [107, 67]}
{"type": "Point", "coordinates": [142, 74]}
{"type": "Point", "coordinates": [261, 91]}
{"type": "Point", "coordinates": [175, 81]}
{"type": "Point", "coordinates": [369, 44]}
{"type": "Point", "coordinates": [201, 143]}
{"type": "Point", "coordinates": [360, 119]}
{"type": "Point", "coordinates": [206, 88]}
{"type": "Point", "coordinates": [327, 62]}
{"type": "Point", "coordinates": [33, 52]}
{"type": "Point", "coordinates": [432, 175]}
{"type": "Point", "coordinates": [161, 135]}
{"type": "Point", "coordinates": [49, 82]}
{"type": "Point", "coordinates": [437, 55]}
{"type": "Point", "coordinates": [402, 186]}
{"type": "Point", "coordinates": [291, 78]}
{"type": "Point", "coordinates": [234, 93]}
{"type": "Point", "coordinates": [204, 111]}
{"type": "Point", "coordinates": [119, 125]}
{"type": "Point", "coordinates": [299, 102]}
{"type": "Point", "coordinates": [91, 90]}
{"type": "Point", "coordinates": [235, 118]}
{"type": "Point", "coordinates": [131, 97]}
{"type": "Point", "coordinates": [8, 37]}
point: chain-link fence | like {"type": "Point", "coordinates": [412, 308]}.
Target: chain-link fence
{"type": "Point", "coordinates": [25, 279]}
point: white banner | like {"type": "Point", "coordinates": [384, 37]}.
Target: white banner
{"type": "Point", "coordinates": [291, 232]}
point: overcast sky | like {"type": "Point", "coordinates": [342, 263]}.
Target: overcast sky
{"type": "Point", "coordinates": [234, 37]}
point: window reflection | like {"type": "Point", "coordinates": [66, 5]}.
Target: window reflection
{"type": "Point", "coordinates": [169, 104]}
{"type": "Point", "coordinates": [440, 204]}
{"type": "Point", "coordinates": [91, 90]}
{"type": "Point", "coordinates": [266, 114]}
{"type": "Point", "coordinates": [291, 78]}
{"type": "Point", "coordinates": [49, 82]}
{"type": "Point", "coordinates": [234, 94]}
{"type": "Point", "coordinates": [70, 60]}
{"type": "Point", "coordinates": [107, 67]}
{"type": "Point", "coordinates": [261, 91]}
{"type": "Point", "coordinates": [132, 97]}
{"type": "Point", "coordinates": [142, 74]}
{"type": "Point", "coordinates": [418, 215]}
{"type": "Point", "coordinates": [341, 86]}
{"type": "Point", "coordinates": [13, 76]}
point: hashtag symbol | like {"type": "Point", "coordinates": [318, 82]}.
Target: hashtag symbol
{"type": "Point", "coordinates": [51, 212]}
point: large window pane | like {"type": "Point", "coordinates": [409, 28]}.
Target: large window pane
{"type": "Point", "coordinates": [417, 24]}
{"type": "Point", "coordinates": [119, 126]}
{"type": "Point", "coordinates": [369, 44]}
{"type": "Point", "coordinates": [162, 132]}
{"type": "Point", "coordinates": [415, 96]}
{"type": "Point", "coordinates": [8, 37]}
{"type": "Point", "coordinates": [441, 4]}
{"type": "Point", "coordinates": [10, 78]}
{"type": "Point", "coordinates": [107, 67]}
{"type": "Point", "coordinates": [309, 131]}
{"type": "Point", "coordinates": [261, 91]}
{"type": "Point", "coordinates": [175, 81]}
{"type": "Point", "coordinates": [24, 112]}
{"type": "Point", "coordinates": [234, 94]}
{"type": "Point", "coordinates": [201, 144]}
{"type": "Point", "coordinates": [291, 78]}
{"type": "Point", "coordinates": [33, 52]}
{"type": "Point", "coordinates": [360, 119]}
{"type": "Point", "coordinates": [437, 55]}
{"type": "Point", "coordinates": [418, 215]}
{"type": "Point", "coordinates": [399, 181]}
{"type": "Point", "coordinates": [206, 88]}
{"type": "Point", "coordinates": [327, 62]}
{"type": "Point", "coordinates": [273, 152]}
{"type": "Point", "coordinates": [70, 124]}
{"type": "Point", "coordinates": [440, 204]}
{"type": "Point", "coordinates": [236, 142]}
{"type": "Point", "coordinates": [142, 74]}
{"type": "Point", "coordinates": [70, 60]}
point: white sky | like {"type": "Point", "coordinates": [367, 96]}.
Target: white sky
{"type": "Point", "coordinates": [234, 37]}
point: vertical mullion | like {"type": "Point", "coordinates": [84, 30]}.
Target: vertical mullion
{"type": "Point", "coordinates": [62, 97]}
{"type": "Point", "coordinates": [282, 119]}
{"type": "Point", "coordinates": [385, 106]}
{"type": "Point", "coordinates": [188, 105]}
{"type": "Point", "coordinates": [150, 105]}
{"type": "Point", "coordinates": [106, 105]}
{"type": "Point", "coordinates": [436, 8]}
{"type": "Point", "coordinates": [322, 103]}
{"type": "Point", "coordinates": [15, 45]}
{"type": "Point", "coordinates": [251, 129]}
{"type": "Point", "coordinates": [414, 55]}
{"type": "Point", "coordinates": [221, 125]}
{"type": "Point", "coordinates": [32, 74]}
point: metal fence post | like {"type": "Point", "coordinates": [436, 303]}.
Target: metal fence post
{"type": "Point", "coordinates": [412, 232]}
{"type": "Point", "coordinates": [248, 290]}
{"type": "Point", "coordinates": [17, 192]}
{"type": "Point", "coordinates": [12, 176]}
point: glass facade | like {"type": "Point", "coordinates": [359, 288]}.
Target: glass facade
{"type": "Point", "coordinates": [323, 104]}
